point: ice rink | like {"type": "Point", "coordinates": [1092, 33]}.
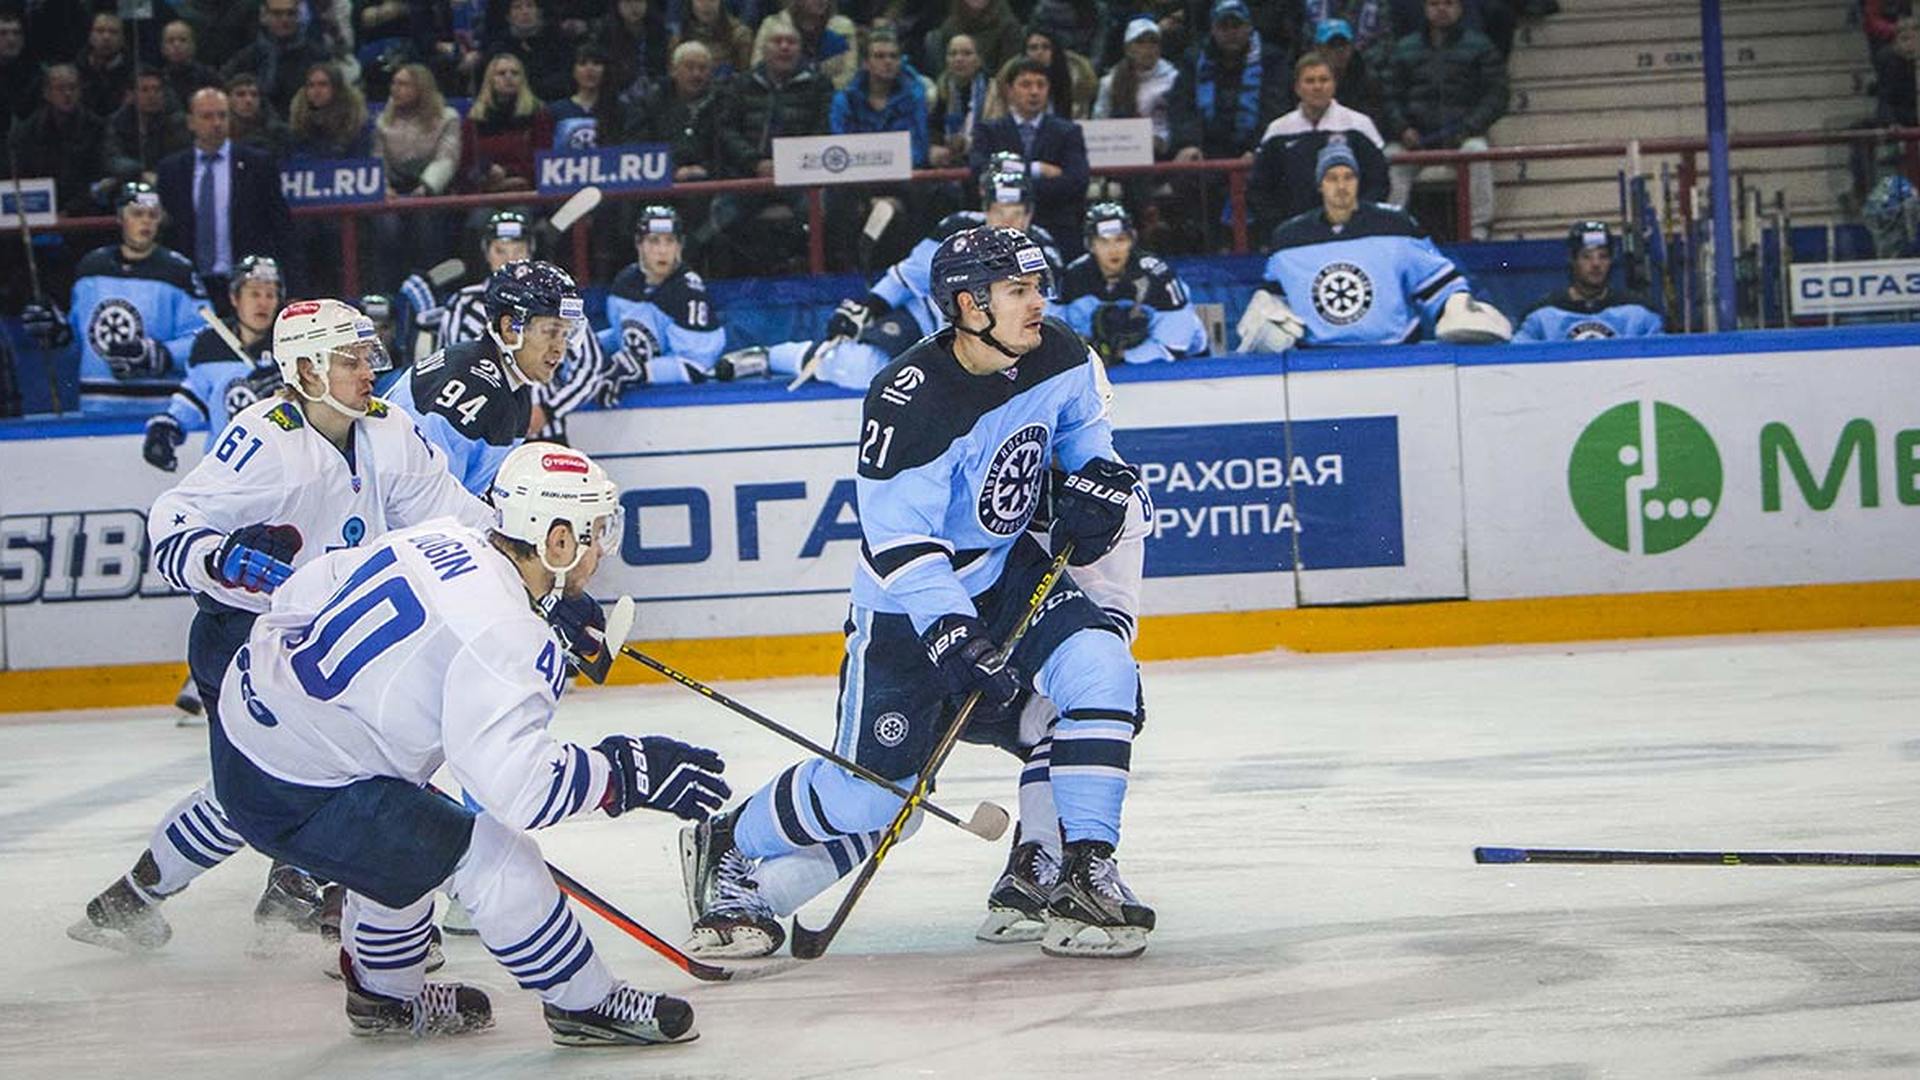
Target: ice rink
{"type": "Point", "coordinates": [1302, 824]}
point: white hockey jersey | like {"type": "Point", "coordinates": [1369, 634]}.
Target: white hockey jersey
{"type": "Point", "coordinates": [420, 650]}
{"type": "Point", "coordinates": [269, 467]}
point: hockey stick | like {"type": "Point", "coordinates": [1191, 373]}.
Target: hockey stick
{"type": "Point", "coordinates": [213, 323]}
{"type": "Point", "coordinates": [812, 944]}
{"type": "Point", "coordinates": [33, 265]}
{"type": "Point", "coordinates": [578, 205]}
{"type": "Point", "coordinates": [1593, 856]}
{"type": "Point", "coordinates": [705, 972]}
{"type": "Point", "coordinates": [815, 359]}
{"type": "Point", "coordinates": [989, 821]}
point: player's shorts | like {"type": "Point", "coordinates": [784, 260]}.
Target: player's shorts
{"type": "Point", "coordinates": [217, 633]}
{"type": "Point", "coordinates": [893, 706]}
{"type": "Point", "coordinates": [381, 837]}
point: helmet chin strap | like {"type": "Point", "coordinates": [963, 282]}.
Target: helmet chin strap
{"type": "Point", "coordinates": [985, 333]}
{"type": "Point", "coordinates": [326, 397]}
{"type": "Point", "coordinates": [559, 574]}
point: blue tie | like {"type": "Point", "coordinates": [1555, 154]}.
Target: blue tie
{"type": "Point", "coordinates": [1028, 132]}
{"type": "Point", "coordinates": [206, 240]}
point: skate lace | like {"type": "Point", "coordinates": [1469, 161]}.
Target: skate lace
{"type": "Point", "coordinates": [1046, 868]}
{"type": "Point", "coordinates": [735, 891]}
{"type": "Point", "coordinates": [1104, 876]}
{"type": "Point", "coordinates": [435, 1001]}
{"type": "Point", "coordinates": [630, 1006]}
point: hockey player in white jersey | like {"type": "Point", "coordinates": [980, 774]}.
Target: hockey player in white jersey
{"type": "Point", "coordinates": [1359, 273]}
{"type": "Point", "coordinates": [219, 384]}
{"type": "Point", "coordinates": [864, 335]}
{"type": "Point", "coordinates": [508, 238]}
{"type": "Point", "coordinates": [375, 667]}
{"type": "Point", "coordinates": [662, 326]}
{"type": "Point", "coordinates": [321, 466]}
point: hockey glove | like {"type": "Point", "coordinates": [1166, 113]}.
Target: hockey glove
{"type": "Point", "coordinates": [256, 558]}
{"type": "Point", "coordinates": [138, 358]}
{"type": "Point", "coordinates": [1090, 508]}
{"type": "Point", "coordinates": [1118, 327]}
{"type": "Point", "coordinates": [418, 293]}
{"type": "Point", "coordinates": [586, 631]}
{"type": "Point", "coordinates": [851, 317]}
{"type": "Point", "coordinates": [658, 773]}
{"type": "Point", "coordinates": [1268, 324]}
{"type": "Point", "coordinates": [46, 327]}
{"type": "Point", "coordinates": [747, 363]}
{"type": "Point", "coordinates": [163, 434]}
{"type": "Point", "coordinates": [968, 660]}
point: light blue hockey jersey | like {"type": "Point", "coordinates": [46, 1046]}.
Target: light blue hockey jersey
{"type": "Point", "coordinates": [1173, 331]}
{"type": "Point", "coordinates": [1559, 317]}
{"type": "Point", "coordinates": [1367, 282]}
{"type": "Point", "coordinates": [218, 386]}
{"type": "Point", "coordinates": [116, 300]}
{"type": "Point", "coordinates": [953, 465]}
{"type": "Point", "coordinates": [677, 316]}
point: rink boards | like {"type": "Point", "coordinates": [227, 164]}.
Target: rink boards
{"type": "Point", "coordinates": [1330, 499]}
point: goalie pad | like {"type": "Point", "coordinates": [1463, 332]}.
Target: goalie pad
{"type": "Point", "coordinates": [1466, 321]}
{"type": "Point", "coordinates": [1268, 324]}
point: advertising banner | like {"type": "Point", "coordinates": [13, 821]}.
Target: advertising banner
{"type": "Point", "coordinates": [36, 196]}
{"type": "Point", "coordinates": [1880, 286]}
{"type": "Point", "coordinates": [842, 159]}
{"type": "Point", "coordinates": [634, 167]}
{"type": "Point", "coordinates": [1126, 141]}
{"type": "Point", "coordinates": [333, 182]}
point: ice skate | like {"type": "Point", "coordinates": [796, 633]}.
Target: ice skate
{"type": "Point", "coordinates": [440, 1008]}
{"type": "Point", "coordinates": [702, 846]}
{"type": "Point", "coordinates": [454, 919]}
{"type": "Point", "coordinates": [1091, 912]}
{"type": "Point", "coordinates": [627, 1017]}
{"type": "Point", "coordinates": [730, 917]}
{"type": "Point", "coordinates": [1017, 907]}
{"type": "Point", "coordinates": [291, 901]}
{"type": "Point", "coordinates": [192, 712]}
{"type": "Point", "coordinates": [127, 915]}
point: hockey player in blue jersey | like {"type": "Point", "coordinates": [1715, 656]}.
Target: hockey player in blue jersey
{"type": "Point", "coordinates": [135, 311]}
{"type": "Point", "coordinates": [474, 398]}
{"type": "Point", "coordinates": [863, 335]}
{"type": "Point", "coordinates": [1129, 305]}
{"type": "Point", "coordinates": [320, 466]}
{"type": "Point", "coordinates": [662, 327]}
{"type": "Point", "coordinates": [1359, 273]}
{"type": "Point", "coordinates": [956, 440]}
{"type": "Point", "coordinates": [508, 238]}
{"type": "Point", "coordinates": [219, 384]}
{"type": "Point", "coordinates": [372, 669]}
{"type": "Point", "coordinates": [1588, 307]}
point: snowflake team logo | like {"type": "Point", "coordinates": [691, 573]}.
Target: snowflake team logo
{"type": "Point", "coordinates": [638, 340]}
{"type": "Point", "coordinates": [1012, 486]}
{"type": "Point", "coordinates": [240, 393]}
{"type": "Point", "coordinates": [1342, 293]}
{"type": "Point", "coordinates": [890, 729]}
{"type": "Point", "coordinates": [1588, 330]}
{"type": "Point", "coordinates": [114, 322]}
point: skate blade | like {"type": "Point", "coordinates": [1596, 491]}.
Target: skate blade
{"type": "Point", "coordinates": [567, 1034]}
{"type": "Point", "coordinates": [1010, 926]}
{"type": "Point", "coordinates": [689, 867]}
{"type": "Point", "coordinates": [745, 943]}
{"type": "Point", "coordinates": [87, 933]}
{"type": "Point", "coordinates": [1072, 938]}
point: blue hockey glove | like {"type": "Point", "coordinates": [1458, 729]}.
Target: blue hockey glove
{"type": "Point", "coordinates": [968, 660]}
{"type": "Point", "coordinates": [256, 558]}
{"type": "Point", "coordinates": [418, 293]}
{"type": "Point", "coordinates": [592, 638]}
{"type": "Point", "coordinates": [658, 773]}
{"type": "Point", "coordinates": [163, 435]}
{"type": "Point", "coordinates": [1090, 508]}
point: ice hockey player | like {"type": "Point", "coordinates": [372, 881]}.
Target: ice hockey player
{"type": "Point", "coordinates": [219, 384]}
{"type": "Point", "coordinates": [662, 326]}
{"type": "Point", "coordinates": [466, 317]}
{"type": "Point", "coordinates": [864, 335]}
{"type": "Point", "coordinates": [135, 311]}
{"type": "Point", "coordinates": [957, 436]}
{"type": "Point", "coordinates": [320, 466]}
{"type": "Point", "coordinates": [1359, 273]}
{"type": "Point", "coordinates": [1128, 304]}
{"type": "Point", "coordinates": [1587, 308]}
{"type": "Point", "coordinates": [474, 398]}
{"type": "Point", "coordinates": [376, 666]}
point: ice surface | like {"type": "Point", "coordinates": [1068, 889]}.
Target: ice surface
{"type": "Point", "coordinates": [1303, 826]}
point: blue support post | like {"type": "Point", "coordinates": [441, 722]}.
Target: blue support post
{"type": "Point", "coordinates": [1726, 301]}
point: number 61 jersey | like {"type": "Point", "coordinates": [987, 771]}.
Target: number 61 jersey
{"type": "Point", "coordinates": [270, 467]}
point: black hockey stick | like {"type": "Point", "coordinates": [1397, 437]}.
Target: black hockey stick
{"type": "Point", "coordinates": [1600, 856]}
{"type": "Point", "coordinates": [33, 266]}
{"type": "Point", "coordinates": [705, 972]}
{"type": "Point", "coordinates": [989, 820]}
{"type": "Point", "coordinates": [812, 944]}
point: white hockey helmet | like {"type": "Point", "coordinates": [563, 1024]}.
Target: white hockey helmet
{"type": "Point", "coordinates": [318, 331]}
{"type": "Point", "coordinates": [541, 483]}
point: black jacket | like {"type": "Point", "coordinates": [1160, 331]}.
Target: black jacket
{"type": "Point", "coordinates": [259, 222]}
{"type": "Point", "coordinates": [1447, 93]}
{"type": "Point", "coordinates": [762, 111]}
{"type": "Point", "coordinates": [1058, 202]}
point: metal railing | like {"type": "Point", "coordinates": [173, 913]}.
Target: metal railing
{"type": "Point", "coordinates": [1236, 171]}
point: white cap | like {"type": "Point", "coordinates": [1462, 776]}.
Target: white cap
{"type": "Point", "coordinates": [1139, 27]}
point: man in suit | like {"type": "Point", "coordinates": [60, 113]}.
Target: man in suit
{"type": "Point", "coordinates": [223, 198]}
{"type": "Point", "coordinates": [1052, 147]}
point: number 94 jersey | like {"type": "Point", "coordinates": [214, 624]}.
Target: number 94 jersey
{"type": "Point", "coordinates": [421, 649]}
{"type": "Point", "coordinates": [270, 467]}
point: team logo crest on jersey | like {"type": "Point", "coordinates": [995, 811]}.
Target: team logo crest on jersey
{"type": "Point", "coordinates": [890, 729]}
{"type": "Point", "coordinates": [1342, 293]}
{"type": "Point", "coordinates": [376, 408]}
{"type": "Point", "coordinates": [286, 417]}
{"type": "Point", "coordinates": [114, 322]}
{"type": "Point", "coordinates": [900, 390]}
{"type": "Point", "coordinates": [1012, 487]}
{"type": "Point", "coordinates": [1588, 330]}
{"type": "Point", "coordinates": [637, 338]}
{"type": "Point", "coordinates": [239, 394]}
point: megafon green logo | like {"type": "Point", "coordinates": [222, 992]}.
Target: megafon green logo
{"type": "Point", "coordinates": [1644, 477]}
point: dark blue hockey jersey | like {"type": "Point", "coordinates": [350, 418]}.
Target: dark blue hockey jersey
{"type": "Point", "coordinates": [472, 403]}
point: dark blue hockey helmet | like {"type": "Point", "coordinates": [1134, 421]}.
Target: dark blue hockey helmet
{"type": "Point", "coordinates": [971, 260]}
{"type": "Point", "coordinates": [506, 225]}
{"type": "Point", "coordinates": [524, 289]}
{"type": "Point", "coordinates": [1108, 219]}
{"type": "Point", "coordinates": [137, 193]}
{"type": "Point", "coordinates": [261, 268]}
{"type": "Point", "coordinates": [1006, 181]}
{"type": "Point", "coordinates": [657, 219]}
{"type": "Point", "coordinates": [1588, 234]}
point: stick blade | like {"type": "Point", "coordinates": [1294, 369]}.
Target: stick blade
{"type": "Point", "coordinates": [445, 272]}
{"type": "Point", "coordinates": [989, 821]}
{"type": "Point", "coordinates": [1499, 855]}
{"type": "Point", "coordinates": [578, 205]}
{"type": "Point", "coordinates": [810, 944]}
